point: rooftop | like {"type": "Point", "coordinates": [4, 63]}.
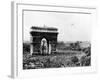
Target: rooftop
{"type": "Point", "coordinates": [44, 29]}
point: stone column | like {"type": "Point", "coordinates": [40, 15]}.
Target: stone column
{"type": "Point", "coordinates": [31, 49]}
{"type": "Point", "coordinates": [49, 48]}
{"type": "Point", "coordinates": [31, 45]}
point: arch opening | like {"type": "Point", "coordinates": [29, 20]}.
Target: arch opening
{"type": "Point", "coordinates": [44, 46]}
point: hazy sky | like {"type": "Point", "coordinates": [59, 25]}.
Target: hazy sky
{"type": "Point", "coordinates": [71, 26]}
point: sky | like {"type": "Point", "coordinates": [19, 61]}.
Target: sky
{"type": "Point", "coordinates": [71, 26]}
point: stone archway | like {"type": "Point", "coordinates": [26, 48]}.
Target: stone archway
{"type": "Point", "coordinates": [48, 35]}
